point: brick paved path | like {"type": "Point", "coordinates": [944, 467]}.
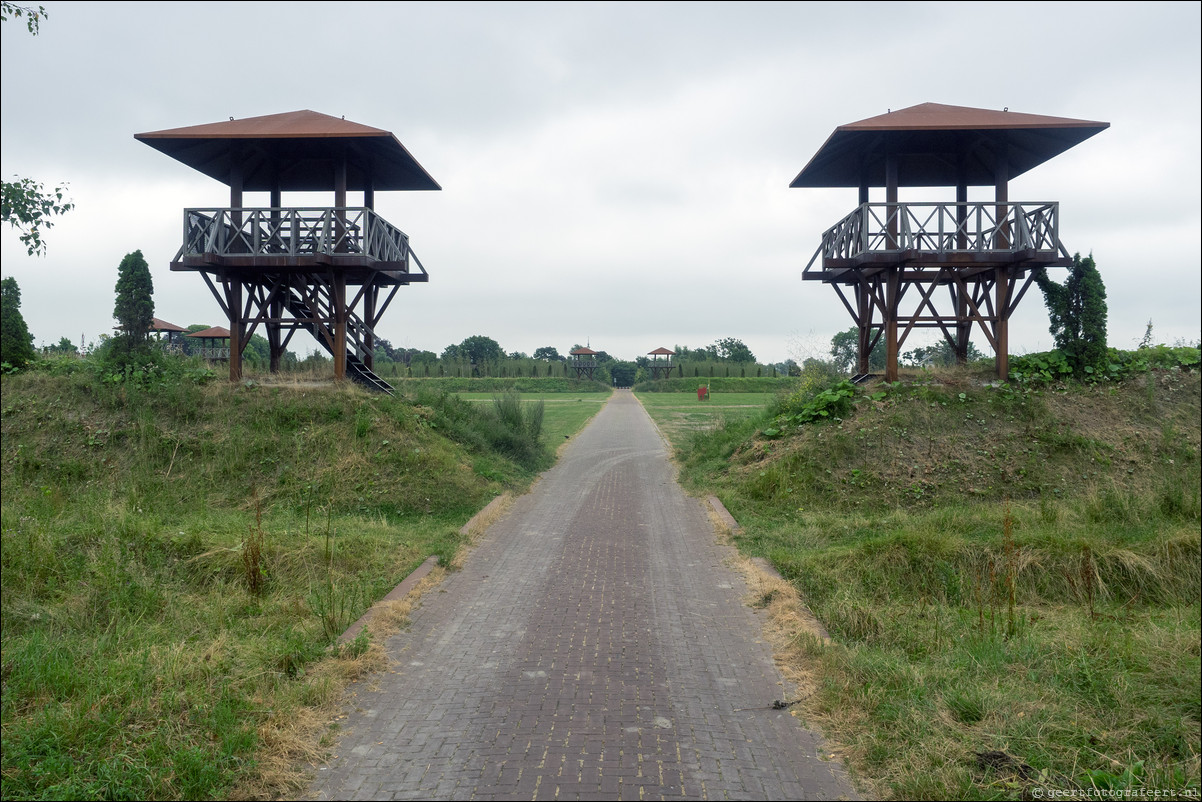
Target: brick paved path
{"type": "Point", "coordinates": [594, 646]}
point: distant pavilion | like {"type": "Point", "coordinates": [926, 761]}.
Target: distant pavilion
{"type": "Point", "coordinates": [661, 368]}
{"type": "Point", "coordinates": [584, 362]}
{"type": "Point", "coordinates": [161, 327]}
{"type": "Point", "coordinates": [214, 343]}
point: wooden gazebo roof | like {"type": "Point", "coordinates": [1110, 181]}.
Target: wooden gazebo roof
{"type": "Point", "coordinates": [661, 352]}
{"type": "Point", "coordinates": [294, 152]}
{"type": "Point", "coordinates": [162, 325]}
{"type": "Point", "coordinates": [583, 352]}
{"type": "Point", "coordinates": [941, 146]}
{"type": "Point", "coordinates": [214, 333]}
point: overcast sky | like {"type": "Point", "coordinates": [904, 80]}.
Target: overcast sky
{"type": "Point", "coordinates": [615, 173]}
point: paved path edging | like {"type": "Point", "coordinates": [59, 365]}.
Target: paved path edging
{"type": "Point", "coordinates": [410, 582]}
{"type": "Point", "coordinates": [766, 567]}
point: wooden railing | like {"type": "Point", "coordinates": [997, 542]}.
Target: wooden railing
{"type": "Point", "coordinates": [292, 232]}
{"type": "Point", "coordinates": [943, 228]}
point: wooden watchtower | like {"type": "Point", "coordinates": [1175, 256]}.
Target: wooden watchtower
{"type": "Point", "coordinates": [584, 362]}
{"type": "Point", "coordinates": [331, 271]}
{"type": "Point", "coordinates": [661, 368]}
{"type": "Point", "coordinates": [901, 266]}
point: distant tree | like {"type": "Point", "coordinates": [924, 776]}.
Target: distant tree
{"type": "Point", "coordinates": [63, 346]}
{"type": "Point", "coordinates": [1077, 311]}
{"type": "Point", "coordinates": [845, 352]}
{"type": "Point", "coordinates": [479, 349]}
{"type": "Point", "coordinates": [384, 348]}
{"type": "Point", "coordinates": [134, 310]}
{"type": "Point", "coordinates": [730, 349]}
{"type": "Point", "coordinates": [941, 353]}
{"type": "Point", "coordinates": [26, 205]}
{"type": "Point", "coordinates": [623, 373]}
{"type": "Point", "coordinates": [257, 348]}
{"type": "Point", "coordinates": [415, 356]}
{"type": "Point", "coordinates": [16, 343]}
{"type": "Point", "coordinates": [518, 355]}
{"type": "Point", "coordinates": [548, 353]}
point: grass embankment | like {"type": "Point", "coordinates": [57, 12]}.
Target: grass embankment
{"type": "Point", "coordinates": [178, 559]}
{"type": "Point", "coordinates": [1010, 577]}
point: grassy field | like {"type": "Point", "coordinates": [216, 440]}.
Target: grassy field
{"type": "Point", "coordinates": [179, 556]}
{"type": "Point", "coordinates": [679, 415]}
{"type": "Point", "coordinates": [564, 414]}
{"type": "Point", "coordinates": [1010, 578]}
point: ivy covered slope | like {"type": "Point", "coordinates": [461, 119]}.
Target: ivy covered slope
{"type": "Point", "coordinates": [951, 437]}
{"type": "Point", "coordinates": [1011, 574]}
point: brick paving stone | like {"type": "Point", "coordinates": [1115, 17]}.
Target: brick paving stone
{"type": "Point", "coordinates": [594, 646]}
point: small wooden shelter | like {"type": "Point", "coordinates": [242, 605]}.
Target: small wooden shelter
{"type": "Point", "coordinates": [161, 327]}
{"type": "Point", "coordinates": [889, 261]}
{"type": "Point", "coordinates": [214, 343]}
{"type": "Point", "coordinates": [332, 270]}
{"type": "Point", "coordinates": [661, 368]}
{"type": "Point", "coordinates": [584, 362]}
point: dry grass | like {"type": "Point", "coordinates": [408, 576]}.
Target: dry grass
{"type": "Point", "coordinates": [298, 737]}
{"type": "Point", "coordinates": [475, 529]}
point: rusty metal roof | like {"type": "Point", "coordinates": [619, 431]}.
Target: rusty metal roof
{"type": "Point", "coordinates": [661, 352]}
{"type": "Point", "coordinates": [936, 145]}
{"type": "Point", "coordinates": [214, 333]}
{"type": "Point", "coordinates": [294, 152]}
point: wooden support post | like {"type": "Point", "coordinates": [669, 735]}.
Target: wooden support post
{"type": "Point", "coordinates": [338, 290]}
{"type": "Point", "coordinates": [1002, 327]}
{"type": "Point", "coordinates": [369, 319]}
{"type": "Point", "coordinates": [233, 294]}
{"type": "Point", "coordinates": [273, 335]}
{"type": "Point", "coordinates": [892, 281]}
{"type": "Point", "coordinates": [276, 244]}
{"type": "Point", "coordinates": [961, 212]}
{"type": "Point", "coordinates": [1002, 198]}
{"type": "Point", "coordinates": [340, 203]}
{"type": "Point", "coordinates": [891, 210]}
{"type": "Point", "coordinates": [236, 190]}
{"type": "Point", "coordinates": [963, 324]}
{"type": "Point", "coordinates": [864, 324]}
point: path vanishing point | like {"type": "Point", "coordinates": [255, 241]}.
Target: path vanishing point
{"type": "Point", "coordinates": [595, 645]}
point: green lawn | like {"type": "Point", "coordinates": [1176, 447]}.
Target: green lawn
{"type": "Point", "coordinates": [680, 414]}
{"type": "Point", "coordinates": [564, 414]}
